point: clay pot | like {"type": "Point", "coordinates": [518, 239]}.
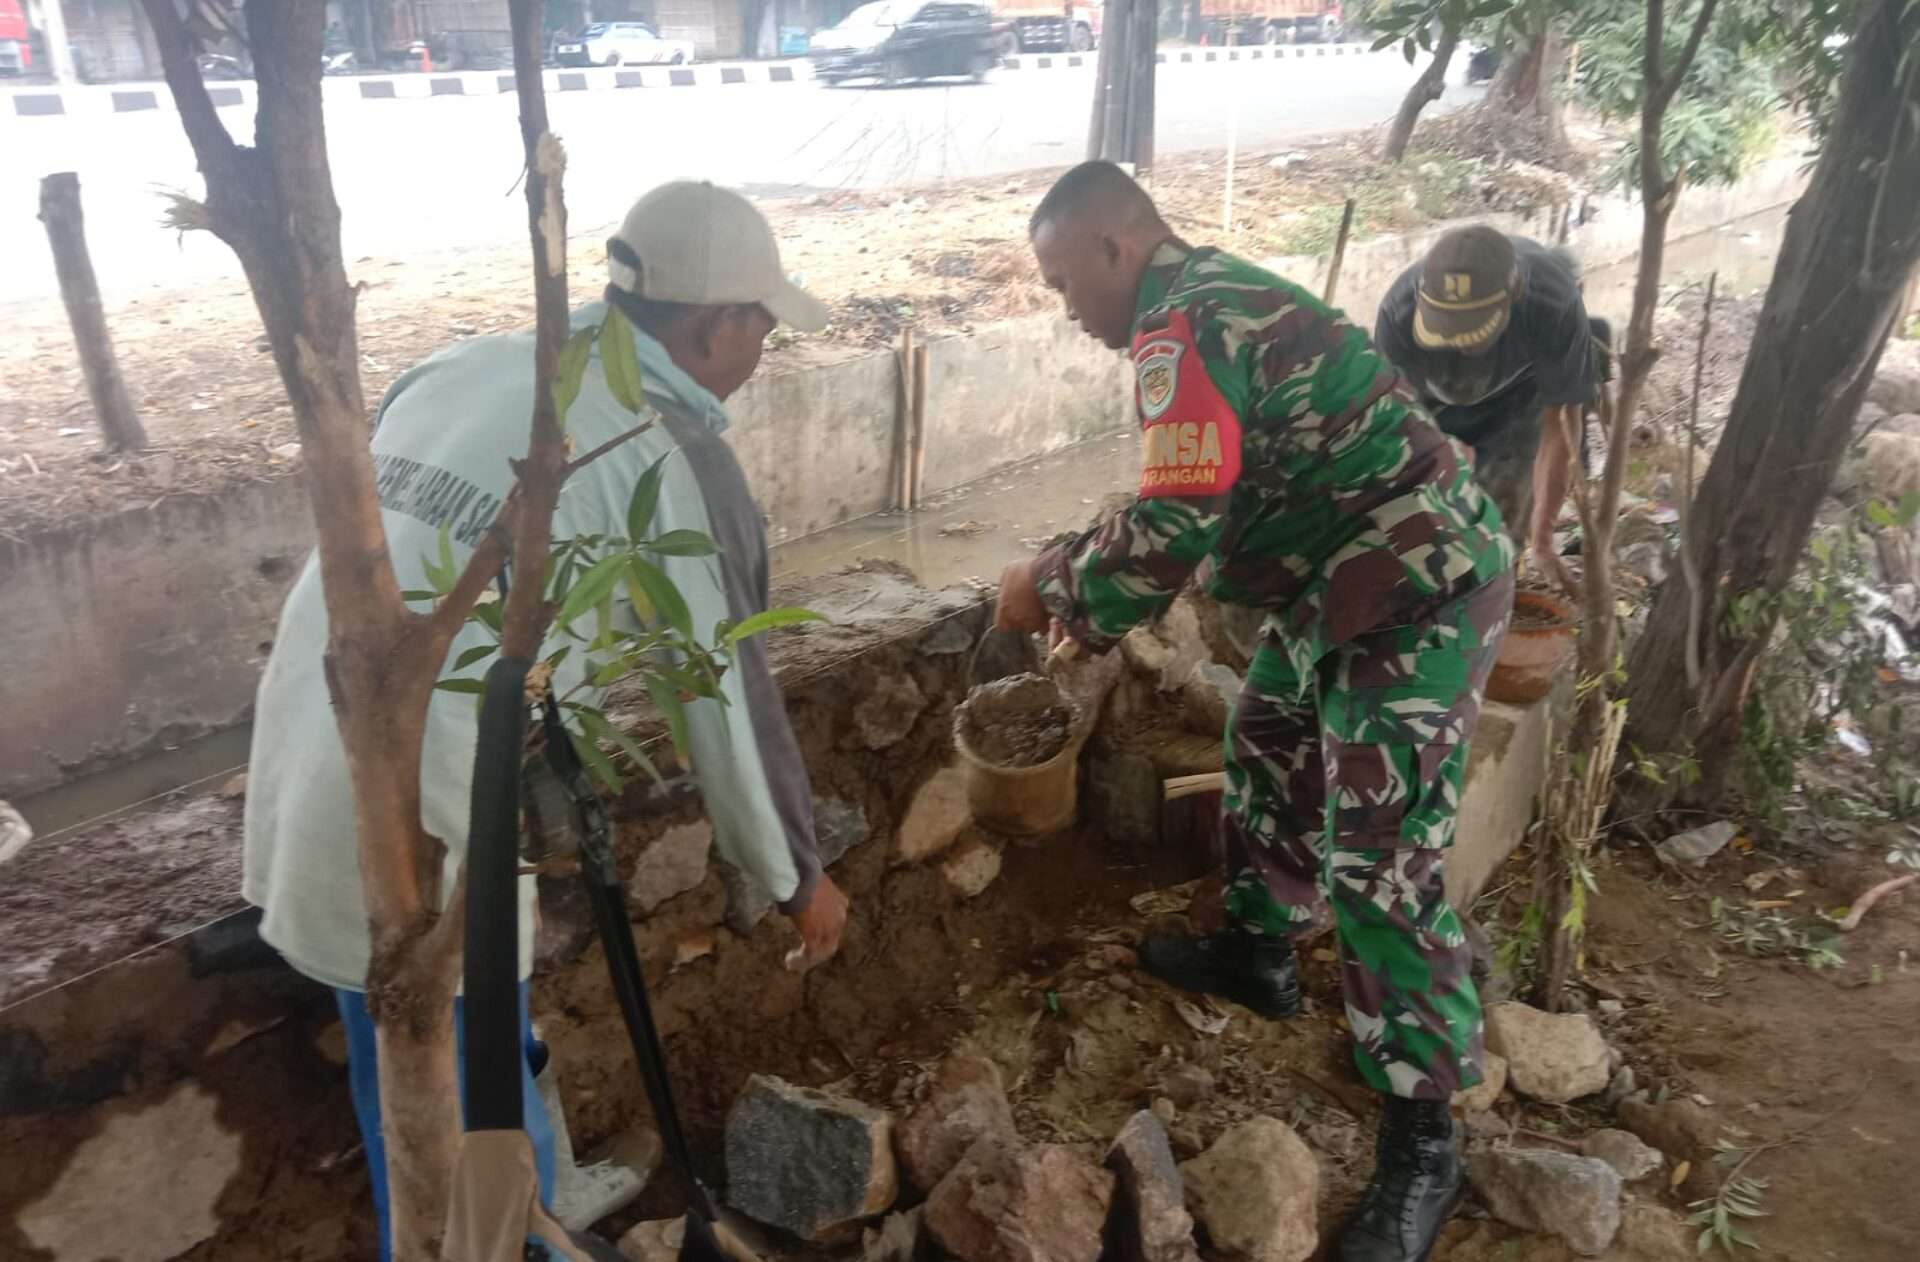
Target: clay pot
{"type": "Point", "coordinates": [1532, 653]}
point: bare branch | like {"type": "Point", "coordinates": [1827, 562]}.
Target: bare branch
{"type": "Point", "coordinates": [581, 462]}
{"type": "Point", "coordinates": [1661, 89]}
{"type": "Point", "coordinates": [213, 146]}
{"type": "Point", "coordinates": [525, 618]}
{"type": "Point", "coordinates": [1690, 563]}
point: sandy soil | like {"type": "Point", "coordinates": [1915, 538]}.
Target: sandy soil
{"type": "Point", "coordinates": [939, 259]}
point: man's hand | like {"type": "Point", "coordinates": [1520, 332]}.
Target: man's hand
{"type": "Point", "coordinates": [819, 924]}
{"type": "Point", "coordinates": [1019, 607]}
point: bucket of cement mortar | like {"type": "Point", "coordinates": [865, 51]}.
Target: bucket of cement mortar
{"type": "Point", "coordinates": [1019, 739]}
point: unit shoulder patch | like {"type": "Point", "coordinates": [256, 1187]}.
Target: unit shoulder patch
{"type": "Point", "coordinates": [1190, 434]}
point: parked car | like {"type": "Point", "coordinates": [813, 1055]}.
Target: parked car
{"type": "Point", "coordinates": [895, 41]}
{"type": "Point", "coordinates": [622, 44]}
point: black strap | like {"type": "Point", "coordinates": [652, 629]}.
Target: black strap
{"type": "Point", "coordinates": [493, 1087]}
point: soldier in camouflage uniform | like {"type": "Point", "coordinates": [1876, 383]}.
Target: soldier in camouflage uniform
{"type": "Point", "coordinates": [1285, 455]}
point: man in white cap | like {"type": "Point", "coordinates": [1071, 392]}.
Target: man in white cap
{"type": "Point", "coordinates": [697, 272]}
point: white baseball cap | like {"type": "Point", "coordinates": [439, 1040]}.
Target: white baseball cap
{"type": "Point", "coordinates": [692, 242]}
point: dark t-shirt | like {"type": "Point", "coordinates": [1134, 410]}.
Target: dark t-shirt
{"type": "Point", "coordinates": [1543, 359]}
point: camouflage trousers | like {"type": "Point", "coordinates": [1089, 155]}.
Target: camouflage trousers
{"type": "Point", "coordinates": [1343, 790]}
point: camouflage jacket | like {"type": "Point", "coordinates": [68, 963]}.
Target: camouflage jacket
{"type": "Point", "coordinates": [1284, 451]}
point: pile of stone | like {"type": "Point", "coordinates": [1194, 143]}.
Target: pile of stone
{"type": "Point", "coordinates": [831, 1171]}
{"type": "Point", "coordinates": [952, 1177]}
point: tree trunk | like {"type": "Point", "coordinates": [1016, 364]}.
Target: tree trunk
{"type": "Point", "coordinates": [274, 205]}
{"type": "Point", "coordinates": [1851, 245]}
{"type": "Point", "coordinates": [80, 291]}
{"type": "Point", "coordinates": [1425, 90]}
{"type": "Point", "coordinates": [1590, 736]}
{"type": "Point", "coordinates": [1145, 49]}
{"type": "Point", "coordinates": [1522, 98]}
{"type": "Point", "coordinates": [1196, 24]}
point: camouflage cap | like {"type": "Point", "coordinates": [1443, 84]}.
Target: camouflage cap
{"type": "Point", "coordinates": [1466, 291]}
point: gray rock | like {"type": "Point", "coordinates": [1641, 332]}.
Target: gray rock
{"type": "Point", "coordinates": [1574, 1198]}
{"type": "Point", "coordinates": [971, 867]}
{"type": "Point", "coordinates": [837, 828]}
{"type": "Point", "coordinates": [1551, 1058]}
{"type": "Point", "coordinates": [673, 863]}
{"type": "Point", "coordinates": [1478, 1099]}
{"type": "Point", "coordinates": [1695, 846]}
{"type": "Point", "coordinates": [1038, 1203]}
{"type": "Point", "coordinates": [896, 1239]}
{"type": "Point", "coordinates": [967, 1103]}
{"type": "Point", "coordinates": [950, 636]}
{"type": "Point", "coordinates": [1124, 798]}
{"type": "Point", "coordinates": [1255, 1192]}
{"type": "Point", "coordinates": [1149, 1222]}
{"type": "Point", "coordinates": [1631, 1158]}
{"type": "Point", "coordinates": [1620, 1086]}
{"type": "Point", "coordinates": [888, 712]}
{"type": "Point", "coordinates": [1896, 388]}
{"type": "Point", "coordinates": [807, 1162]}
{"type": "Point", "coordinates": [1651, 1233]}
{"type": "Point", "coordinates": [1645, 561]}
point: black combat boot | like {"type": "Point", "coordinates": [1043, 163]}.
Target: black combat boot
{"type": "Point", "coordinates": [1417, 1180]}
{"type": "Point", "coordinates": [1256, 972]}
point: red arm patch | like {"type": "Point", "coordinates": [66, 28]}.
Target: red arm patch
{"type": "Point", "coordinates": [1190, 433]}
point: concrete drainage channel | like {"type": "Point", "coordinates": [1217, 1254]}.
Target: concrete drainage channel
{"type": "Point", "coordinates": [186, 1070]}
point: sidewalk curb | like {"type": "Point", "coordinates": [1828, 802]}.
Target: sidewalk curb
{"type": "Point", "coordinates": [94, 101]}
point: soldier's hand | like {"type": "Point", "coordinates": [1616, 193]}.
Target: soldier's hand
{"type": "Point", "coordinates": [1019, 607]}
{"type": "Point", "coordinates": [819, 924]}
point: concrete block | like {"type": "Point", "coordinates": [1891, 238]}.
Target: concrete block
{"type": "Point", "coordinates": [1511, 748]}
{"type": "Point", "coordinates": [937, 815]}
{"type": "Point", "coordinates": [168, 1153]}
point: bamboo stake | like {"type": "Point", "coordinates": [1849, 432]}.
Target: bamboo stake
{"type": "Point", "coordinates": [1339, 252]}
{"type": "Point", "coordinates": [903, 428]}
{"type": "Point", "coordinates": [1187, 786]}
{"type": "Point", "coordinates": [919, 423]}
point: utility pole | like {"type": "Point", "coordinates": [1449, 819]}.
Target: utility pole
{"type": "Point", "coordinates": [1122, 126]}
{"type": "Point", "coordinates": [59, 55]}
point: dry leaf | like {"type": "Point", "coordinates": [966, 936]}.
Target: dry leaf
{"type": "Point", "coordinates": [1209, 1024]}
{"type": "Point", "coordinates": [1680, 1173]}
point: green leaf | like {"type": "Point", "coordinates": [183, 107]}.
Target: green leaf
{"type": "Point", "coordinates": [472, 686]}
{"type": "Point", "coordinates": [667, 697]}
{"type": "Point", "coordinates": [590, 589]}
{"type": "Point", "coordinates": [1409, 49]}
{"type": "Point", "coordinates": [768, 620]}
{"type": "Point", "coordinates": [681, 543]}
{"type": "Point", "coordinates": [621, 364]}
{"type": "Point", "coordinates": [569, 371]}
{"type": "Point", "coordinates": [645, 498]}
{"type": "Point", "coordinates": [591, 754]}
{"type": "Point", "coordinates": [473, 655]}
{"type": "Point", "coordinates": [662, 596]}
{"type": "Point", "coordinates": [636, 755]}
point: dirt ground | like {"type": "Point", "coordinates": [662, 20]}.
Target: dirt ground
{"type": "Point", "coordinates": [75, 902]}
{"type": "Point", "coordinates": [939, 259]}
{"type": "Point", "coordinates": [1815, 1069]}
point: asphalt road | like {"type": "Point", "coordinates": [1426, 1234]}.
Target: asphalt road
{"type": "Point", "coordinates": [418, 175]}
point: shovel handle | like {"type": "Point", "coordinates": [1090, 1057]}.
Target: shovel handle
{"type": "Point", "coordinates": [1186, 786]}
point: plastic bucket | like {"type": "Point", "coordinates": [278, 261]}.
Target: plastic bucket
{"type": "Point", "coordinates": [1029, 801]}
{"type": "Point", "coordinates": [1531, 655]}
